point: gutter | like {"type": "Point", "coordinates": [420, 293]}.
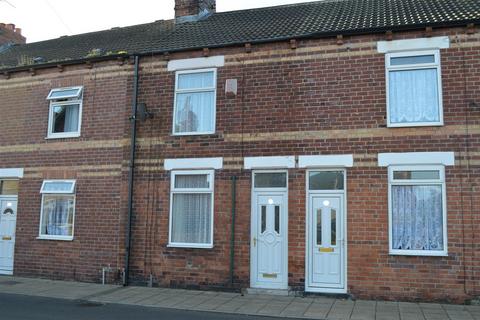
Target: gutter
{"type": "Point", "coordinates": [131, 169]}
{"type": "Point", "coordinates": [365, 31]}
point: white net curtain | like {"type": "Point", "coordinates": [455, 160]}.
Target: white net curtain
{"type": "Point", "coordinates": [417, 217]}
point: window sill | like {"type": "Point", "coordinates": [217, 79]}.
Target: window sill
{"type": "Point", "coordinates": [77, 135]}
{"type": "Point", "coordinates": [55, 238]}
{"type": "Point", "coordinates": [190, 246]}
{"type": "Point", "coordinates": [193, 134]}
{"type": "Point", "coordinates": [417, 124]}
{"type": "Point", "coordinates": [418, 253]}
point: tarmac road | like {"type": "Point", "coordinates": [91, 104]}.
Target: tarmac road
{"type": "Point", "coordinates": [20, 307]}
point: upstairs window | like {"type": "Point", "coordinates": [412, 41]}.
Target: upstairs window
{"type": "Point", "coordinates": [195, 99]}
{"type": "Point", "coordinates": [58, 210]}
{"type": "Point", "coordinates": [418, 215]}
{"type": "Point", "coordinates": [65, 115]}
{"type": "Point", "coordinates": [414, 89]}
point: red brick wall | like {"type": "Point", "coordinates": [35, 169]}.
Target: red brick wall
{"type": "Point", "coordinates": [321, 98]}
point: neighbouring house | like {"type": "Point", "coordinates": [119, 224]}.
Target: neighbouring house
{"type": "Point", "coordinates": [325, 147]}
{"type": "Point", "coordinates": [9, 34]}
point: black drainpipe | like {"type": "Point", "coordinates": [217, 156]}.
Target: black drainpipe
{"type": "Point", "coordinates": [133, 121]}
{"type": "Point", "coordinates": [232, 237]}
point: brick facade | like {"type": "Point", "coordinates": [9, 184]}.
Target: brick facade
{"type": "Point", "coordinates": [320, 98]}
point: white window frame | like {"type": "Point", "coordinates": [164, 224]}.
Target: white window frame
{"type": "Point", "coordinates": [71, 96]}
{"type": "Point", "coordinates": [72, 189]}
{"type": "Point", "coordinates": [58, 102]}
{"type": "Point", "coordinates": [210, 190]}
{"type": "Point", "coordinates": [436, 182]}
{"type": "Point", "coordinates": [436, 65]}
{"type": "Point", "coordinates": [209, 89]}
{"type": "Point", "coordinates": [57, 193]}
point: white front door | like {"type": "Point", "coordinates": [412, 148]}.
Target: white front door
{"type": "Point", "coordinates": [8, 219]}
{"type": "Point", "coordinates": [269, 251]}
{"type": "Point", "coordinates": [326, 243]}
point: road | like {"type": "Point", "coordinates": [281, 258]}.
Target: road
{"type": "Point", "coordinates": [19, 307]}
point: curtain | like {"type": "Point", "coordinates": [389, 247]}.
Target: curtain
{"type": "Point", "coordinates": [194, 112]}
{"type": "Point", "coordinates": [195, 80]}
{"type": "Point", "coordinates": [191, 218]}
{"type": "Point", "coordinates": [71, 118]}
{"type": "Point", "coordinates": [187, 181]}
{"type": "Point", "coordinates": [58, 216]}
{"type": "Point", "coordinates": [417, 217]}
{"type": "Point", "coordinates": [413, 96]}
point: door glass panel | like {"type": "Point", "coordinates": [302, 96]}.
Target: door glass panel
{"type": "Point", "coordinates": [271, 180]}
{"type": "Point", "coordinates": [319, 227]}
{"type": "Point", "coordinates": [277, 219]}
{"type": "Point", "coordinates": [326, 180]}
{"type": "Point", "coordinates": [333, 223]}
{"type": "Point", "coordinates": [264, 218]}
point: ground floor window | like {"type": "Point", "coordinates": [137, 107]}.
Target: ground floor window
{"type": "Point", "coordinates": [58, 209]}
{"type": "Point", "coordinates": [191, 209]}
{"type": "Point", "coordinates": [417, 210]}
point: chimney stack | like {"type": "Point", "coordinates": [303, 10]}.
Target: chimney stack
{"type": "Point", "coordinates": [10, 34]}
{"type": "Point", "coordinates": [193, 10]}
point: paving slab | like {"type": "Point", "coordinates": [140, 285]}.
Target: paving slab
{"type": "Point", "coordinates": [364, 310]}
{"type": "Point", "coordinates": [411, 316]}
{"type": "Point", "coordinates": [212, 304]}
{"type": "Point", "coordinates": [341, 309]}
{"type": "Point", "coordinates": [319, 309]}
{"type": "Point", "coordinates": [296, 308]}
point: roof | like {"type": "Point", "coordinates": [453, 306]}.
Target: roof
{"type": "Point", "coordinates": [312, 19]}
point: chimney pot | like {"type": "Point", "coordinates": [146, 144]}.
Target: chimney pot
{"type": "Point", "coordinates": [191, 10]}
{"type": "Point", "coordinates": [11, 34]}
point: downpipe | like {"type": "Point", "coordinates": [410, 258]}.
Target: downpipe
{"type": "Point", "coordinates": [133, 122]}
{"type": "Point", "coordinates": [232, 232]}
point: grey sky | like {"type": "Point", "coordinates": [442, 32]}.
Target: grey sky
{"type": "Point", "coordinates": [47, 19]}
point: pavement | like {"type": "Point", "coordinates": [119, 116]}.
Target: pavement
{"type": "Point", "coordinates": [317, 307]}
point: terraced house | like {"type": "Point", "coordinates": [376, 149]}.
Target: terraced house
{"type": "Point", "coordinates": [326, 147]}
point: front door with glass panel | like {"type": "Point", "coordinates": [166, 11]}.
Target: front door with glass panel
{"type": "Point", "coordinates": [8, 219]}
{"type": "Point", "coordinates": [326, 232]}
{"type": "Point", "coordinates": [269, 231]}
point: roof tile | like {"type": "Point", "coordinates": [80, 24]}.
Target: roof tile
{"type": "Point", "coordinates": [319, 18]}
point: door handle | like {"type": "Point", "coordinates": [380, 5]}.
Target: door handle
{"type": "Point", "coordinates": [254, 241]}
{"type": "Point", "coordinates": [6, 238]}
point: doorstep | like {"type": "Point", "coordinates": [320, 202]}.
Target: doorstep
{"type": "Point", "coordinates": [316, 307]}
